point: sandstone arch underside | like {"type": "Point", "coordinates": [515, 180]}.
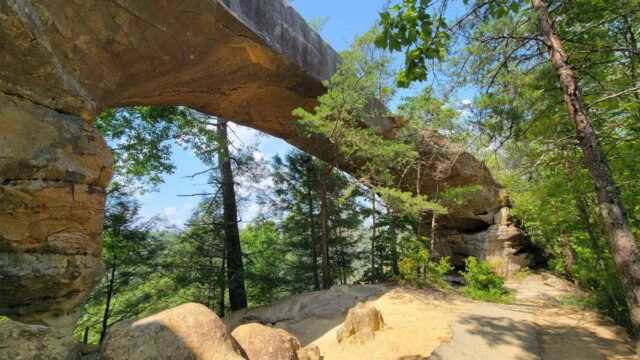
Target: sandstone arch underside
{"type": "Point", "coordinates": [62, 62]}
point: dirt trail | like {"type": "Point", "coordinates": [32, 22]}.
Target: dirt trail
{"type": "Point", "coordinates": [416, 323]}
{"type": "Point", "coordinates": [535, 327]}
{"type": "Point", "coordinates": [429, 324]}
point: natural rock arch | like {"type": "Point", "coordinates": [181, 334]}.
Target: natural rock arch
{"type": "Point", "coordinates": [63, 62]}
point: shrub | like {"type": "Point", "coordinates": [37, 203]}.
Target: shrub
{"type": "Point", "coordinates": [483, 284]}
{"type": "Point", "coordinates": [418, 269]}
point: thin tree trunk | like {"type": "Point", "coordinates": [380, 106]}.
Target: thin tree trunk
{"type": "Point", "coordinates": [621, 240]}
{"type": "Point", "coordinates": [235, 269]}
{"type": "Point", "coordinates": [326, 274]}
{"type": "Point", "coordinates": [374, 273]}
{"type": "Point", "coordinates": [312, 229]}
{"type": "Point", "coordinates": [432, 241]}
{"type": "Point", "coordinates": [223, 287]}
{"type": "Point", "coordinates": [394, 245]}
{"type": "Point", "coordinates": [211, 281]}
{"type": "Point", "coordinates": [419, 216]}
{"type": "Point", "coordinates": [107, 305]}
{"type": "Point", "coordinates": [343, 262]}
{"type": "Point", "coordinates": [568, 255]}
{"type": "Point", "coordinates": [634, 54]}
{"type": "Point", "coordinates": [581, 205]}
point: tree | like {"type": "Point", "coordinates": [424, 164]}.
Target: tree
{"type": "Point", "coordinates": [130, 254]}
{"type": "Point", "coordinates": [141, 140]}
{"type": "Point", "coordinates": [265, 255]}
{"type": "Point", "coordinates": [295, 193]}
{"type": "Point", "coordinates": [425, 38]}
{"type": "Point", "coordinates": [343, 118]}
{"type": "Point", "coordinates": [197, 261]}
{"type": "Point", "coordinates": [294, 197]}
{"type": "Point", "coordinates": [621, 239]}
{"type": "Point", "coordinates": [235, 269]}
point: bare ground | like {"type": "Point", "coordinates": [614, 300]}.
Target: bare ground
{"type": "Point", "coordinates": [442, 325]}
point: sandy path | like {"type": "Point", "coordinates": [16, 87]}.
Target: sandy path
{"type": "Point", "coordinates": [535, 327]}
{"type": "Point", "coordinates": [439, 325]}
{"type": "Point", "coordinates": [417, 322]}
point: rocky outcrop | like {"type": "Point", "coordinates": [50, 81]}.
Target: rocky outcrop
{"type": "Point", "coordinates": [292, 312]}
{"type": "Point", "coordinates": [53, 171]}
{"type": "Point", "coordinates": [309, 352]}
{"type": "Point", "coordinates": [188, 331]}
{"type": "Point", "coordinates": [265, 343]}
{"type": "Point", "coordinates": [20, 341]}
{"type": "Point", "coordinates": [361, 323]}
{"type": "Point", "coordinates": [503, 244]}
{"type": "Point", "coordinates": [62, 62]}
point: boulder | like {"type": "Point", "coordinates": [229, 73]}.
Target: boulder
{"type": "Point", "coordinates": [261, 342]}
{"type": "Point", "coordinates": [309, 352]}
{"type": "Point", "coordinates": [360, 324]}
{"type": "Point", "coordinates": [188, 331]}
{"type": "Point", "coordinates": [20, 341]}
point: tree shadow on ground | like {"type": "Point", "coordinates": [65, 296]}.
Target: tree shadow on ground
{"type": "Point", "coordinates": [536, 341]}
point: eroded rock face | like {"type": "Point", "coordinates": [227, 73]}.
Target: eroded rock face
{"type": "Point", "coordinates": [53, 171]}
{"type": "Point", "coordinates": [20, 341]}
{"type": "Point", "coordinates": [252, 62]}
{"type": "Point", "coordinates": [188, 331]}
{"type": "Point", "coordinates": [503, 244]}
{"type": "Point", "coordinates": [265, 343]}
{"type": "Point", "coordinates": [361, 323]}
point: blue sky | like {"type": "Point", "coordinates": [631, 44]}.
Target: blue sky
{"type": "Point", "coordinates": [346, 20]}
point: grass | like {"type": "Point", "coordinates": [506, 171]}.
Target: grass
{"type": "Point", "coordinates": [501, 297]}
{"type": "Point", "coordinates": [522, 274]}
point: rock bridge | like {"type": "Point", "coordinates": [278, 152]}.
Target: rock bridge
{"type": "Point", "coordinates": [62, 62]}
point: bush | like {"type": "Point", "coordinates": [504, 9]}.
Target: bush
{"type": "Point", "coordinates": [483, 284]}
{"type": "Point", "coordinates": [418, 269]}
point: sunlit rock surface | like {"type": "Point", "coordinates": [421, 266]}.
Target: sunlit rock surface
{"type": "Point", "coordinates": [188, 331]}
{"type": "Point", "coordinates": [261, 342]}
{"type": "Point", "coordinates": [62, 62]}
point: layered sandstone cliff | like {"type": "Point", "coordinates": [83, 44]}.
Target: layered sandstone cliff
{"type": "Point", "coordinates": [62, 62]}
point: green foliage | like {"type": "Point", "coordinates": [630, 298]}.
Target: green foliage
{"type": "Point", "coordinates": [482, 284]}
{"type": "Point", "coordinates": [318, 23]}
{"type": "Point", "coordinates": [265, 253]}
{"type": "Point", "coordinates": [131, 254]}
{"type": "Point", "coordinates": [420, 29]}
{"type": "Point", "coordinates": [295, 198]}
{"type": "Point", "coordinates": [523, 273]}
{"type": "Point", "coordinates": [418, 268]}
{"type": "Point", "coordinates": [408, 203]}
{"type": "Point", "coordinates": [141, 138]}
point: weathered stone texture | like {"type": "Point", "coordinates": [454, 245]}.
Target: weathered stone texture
{"type": "Point", "coordinates": [265, 343]}
{"type": "Point", "coordinates": [361, 323]}
{"type": "Point", "coordinates": [309, 352]}
{"type": "Point", "coordinates": [27, 342]}
{"type": "Point", "coordinates": [53, 171]}
{"type": "Point", "coordinates": [188, 331]}
{"type": "Point", "coordinates": [62, 62]}
{"type": "Point", "coordinates": [503, 243]}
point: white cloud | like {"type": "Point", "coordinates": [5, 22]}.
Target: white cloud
{"type": "Point", "coordinates": [242, 136]}
{"type": "Point", "coordinates": [258, 156]}
{"type": "Point", "coordinates": [178, 216]}
{"type": "Point", "coordinates": [466, 102]}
